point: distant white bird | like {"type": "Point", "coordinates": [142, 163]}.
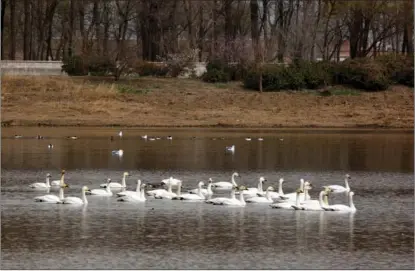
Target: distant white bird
{"type": "Point", "coordinates": [144, 137]}
{"type": "Point", "coordinates": [18, 136]}
{"type": "Point", "coordinates": [120, 134]}
{"type": "Point", "coordinates": [247, 138]}
{"type": "Point", "coordinates": [43, 186]}
{"type": "Point", "coordinates": [169, 137]}
{"type": "Point", "coordinates": [230, 148]}
{"type": "Point", "coordinates": [50, 146]}
{"type": "Point", "coordinates": [260, 139]}
{"type": "Point", "coordinates": [101, 192]}
{"type": "Point", "coordinates": [335, 189]}
{"type": "Point", "coordinates": [118, 152]}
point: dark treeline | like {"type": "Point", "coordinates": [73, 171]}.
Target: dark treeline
{"type": "Point", "coordinates": [266, 30]}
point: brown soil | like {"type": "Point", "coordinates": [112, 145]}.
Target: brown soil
{"type": "Point", "coordinates": [68, 101]}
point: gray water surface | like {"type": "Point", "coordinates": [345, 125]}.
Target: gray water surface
{"type": "Point", "coordinates": [165, 234]}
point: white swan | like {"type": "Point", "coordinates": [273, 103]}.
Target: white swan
{"type": "Point", "coordinates": [165, 194]}
{"type": "Point", "coordinates": [101, 192]}
{"type": "Point", "coordinates": [341, 207]}
{"type": "Point", "coordinates": [230, 148]}
{"type": "Point", "coordinates": [313, 205]}
{"type": "Point", "coordinates": [226, 185]}
{"type": "Point", "coordinates": [292, 196]}
{"type": "Point", "coordinates": [261, 199]}
{"type": "Point", "coordinates": [61, 181]}
{"type": "Point", "coordinates": [188, 196]}
{"type": "Point", "coordinates": [138, 196]}
{"type": "Point", "coordinates": [127, 192]}
{"type": "Point", "coordinates": [253, 191]}
{"type": "Point", "coordinates": [288, 204]}
{"type": "Point", "coordinates": [235, 202]}
{"type": "Point", "coordinates": [118, 152]}
{"type": "Point", "coordinates": [76, 200]}
{"type": "Point", "coordinates": [45, 185]}
{"type": "Point", "coordinates": [174, 182]}
{"type": "Point", "coordinates": [117, 185]}
{"type": "Point", "coordinates": [205, 191]}
{"type": "Point", "coordinates": [120, 133]}
{"type": "Point", "coordinates": [219, 200]}
{"type": "Point", "coordinates": [335, 189]}
{"type": "Point", "coordinates": [51, 198]}
{"type": "Point", "coordinates": [277, 195]}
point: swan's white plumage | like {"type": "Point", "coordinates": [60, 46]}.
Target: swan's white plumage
{"type": "Point", "coordinates": [115, 184]}
{"type": "Point", "coordinates": [226, 185]}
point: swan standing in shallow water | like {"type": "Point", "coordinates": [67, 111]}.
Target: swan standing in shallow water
{"type": "Point", "coordinates": [138, 196]}
{"type": "Point", "coordinates": [60, 182]}
{"type": "Point", "coordinates": [197, 196]}
{"type": "Point", "coordinates": [43, 186]}
{"type": "Point", "coordinates": [117, 185]}
{"type": "Point", "coordinates": [226, 185]}
{"type": "Point", "coordinates": [261, 199]}
{"type": "Point", "coordinates": [127, 192]}
{"type": "Point", "coordinates": [76, 200]}
{"type": "Point", "coordinates": [342, 207]}
{"type": "Point", "coordinates": [101, 192]}
{"type": "Point", "coordinates": [205, 191]}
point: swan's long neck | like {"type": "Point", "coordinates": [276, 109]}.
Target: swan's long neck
{"type": "Point", "coordinates": [179, 189]}
{"type": "Point", "coordinates": [123, 181]}
{"type": "Point", "coordinates": [268, 195]}
{"type": "Point", "coordinates": [260, 186]}
{"type": "Point", "coordinates": [280, 192]}
{"type": "Point", "coordinates": [326, 200]}
{"type": "Point", "coordinates": [302, 184]}
{"type": "Point", "coordinates": [169, 187]}
{"type": "Point", "coordinates": [306, 196]}
{"type": "Point", "coordinates": [108, 189]}
{"type": "Point", "coordinates": [142, 193]}
{"type": "Point", "coordinates": [84, 197]}
{"type": "Point", "coordinates": [320, 199]}
{"type": "Point", "coordinates": [61, 196]}
{"type": "Point", "coordinates": [241, 197]}
{"type": "Point", "coordinates": [62, 182]}
{"type": "Point", "coordinates": [233, 180]}
{"type": "Point", "coordinates": [233, 194]}
{"type": "Point", "coordinates": [47, 182]}
{"type": "Point", "coordinates": [297, 199]}
{"type": "Point", "coordinates": [138, 189]}
{"type": "Point", "coordinates": [346, 184]}
{"type": "Point", "coordinates": [199, 190]}
{"type": "Point", "coordinates": [351, 203]}
{"type": "Point", "coordinates": [209, 188]}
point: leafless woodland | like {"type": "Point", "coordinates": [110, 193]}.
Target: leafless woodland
{"type": "Point", "coordinates": [235, 30]}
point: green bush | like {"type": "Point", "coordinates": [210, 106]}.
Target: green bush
{"type": "Point", "coordinates": [75, 66]}
{"type": "Point", "coordinates": [215, 76]}
{"type": "Point", "coordinates": [315, 74]}
{"type": "Point", "coordinates": [399, 68]}
{"type": "Point", "coordinates": [101, 66]}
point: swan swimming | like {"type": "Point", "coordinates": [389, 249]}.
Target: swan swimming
{"type": "Point", "coordinates": [342, 207]}
{"type": "Point", "coordinates": [45, 185]}
{"type": "Point", "coordinates": [335, 189]}
{"type": "Point", "coordinates": [230, 148]}
{"type": "Point", "coordinates": [61, 181]}
{"type": "Point", "coordinates": [188, 196]}
{"type": "Point", "coordinates": [253, 191]}
{"type": "Point", "coordinates": [117, 185]}
{"type": "Point", "coordinates": [311, 205]}
{"type": "Point", "coordinates": [292, 196]}
{"type": "Point", "coordinates": [76, 200]}
{"type": "Point", "coordinates": [120, 133]}
{"type": "Point", "coordinates": [174, 182]}
{"type": "Point", "coordinates": [101, 192]}
{"type": "Point", "coordinates": [165, 194]}
{"type": "Point", "coordinates": [53, 198]}
{"type": "Point", "coordinates": [233, 201]}
{"type": "Point", "coordinates": [138, 196]}
{"type": "Point", "coordinates": [118, 152]}
{"type": "Point", "coordinates": [288, 204]}
{"type": "Point", "coordinates": [144, 137]}
{"type": "Point", "coordinates": [262, 199]}
{"type": "Point", "coordinates": [226, 185]}
{"type": "Point", "coordinates": [127, 192]}
{"type": "Point", "coordinates": [275, 195]}
{"type": "Point", "coordinates": [205, 191]}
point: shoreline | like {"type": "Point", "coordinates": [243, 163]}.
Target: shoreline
{"type": "Point", "coordinates": [151, 102]}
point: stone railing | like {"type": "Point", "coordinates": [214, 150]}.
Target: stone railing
{"type": "Point", "coordinates": [28, 67]}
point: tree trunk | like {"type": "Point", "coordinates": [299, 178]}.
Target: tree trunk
{"type": "Point", "coordinates": [81, 14]}
{"type": "Point", "coordinates": [71, 28]}
{"type": "Point", "coordinates": [3, 10]}
{"type": "Point", "coordinates": [214, 30]}
{"type": "Point", "coordinates": [254, 28]}
{"type": "Point", "coordinates": [281, 43]}
{"type": "Point", "coordinates": [12, 44]}
{"type": "Point", "coordinates": [97, 20]}
{"type": "Point", "coordinates": [201, 35]}
{"type": "Point", "coordinates": [106, 30]}
{"type": "Point", "coordinates": [228, 29]}
{"type": "Point", "coordinates": [26, 30]}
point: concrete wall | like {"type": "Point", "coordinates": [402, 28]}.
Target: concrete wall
{"type": "Point", "coordinates": [20, 67]}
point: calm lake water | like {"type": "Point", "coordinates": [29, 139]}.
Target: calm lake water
{"type": "Point", "coordinates": [165, 234]}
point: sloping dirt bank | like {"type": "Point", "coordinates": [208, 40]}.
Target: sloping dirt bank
{"type": "Point", "coordinates": [163, 102]}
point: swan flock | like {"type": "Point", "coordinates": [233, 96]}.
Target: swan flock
{"type": "Point", "coordinates": [239, 195]}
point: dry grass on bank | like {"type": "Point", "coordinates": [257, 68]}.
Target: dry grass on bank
{"type": "Point", "coordinates": [149, 101]}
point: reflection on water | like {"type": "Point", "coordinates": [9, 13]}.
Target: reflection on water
{"type": "Point", "coordinates": [165, 234]}
{"type": "Point", "coordinates": [369, 151]}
